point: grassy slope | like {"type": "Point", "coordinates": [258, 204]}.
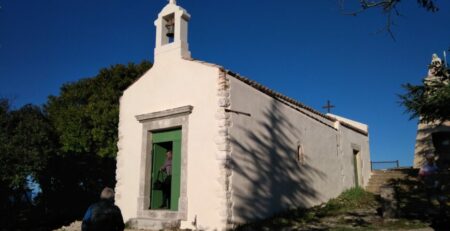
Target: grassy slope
{"type": "Point", "coordinates": [354, 209]}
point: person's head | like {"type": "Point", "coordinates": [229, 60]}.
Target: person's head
{"type": "Point", "coordinates": [169, 154]}
{"type": "Point", "coordinates": [107, 194]}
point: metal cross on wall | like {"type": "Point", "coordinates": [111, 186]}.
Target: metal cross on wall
{"type": "Point", "coordinates": [328, 106]}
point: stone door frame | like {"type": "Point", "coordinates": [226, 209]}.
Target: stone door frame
{"type": "Point", "coordinates": [358, 165]}
{"type": "Point", "coordinates": [154, 122]}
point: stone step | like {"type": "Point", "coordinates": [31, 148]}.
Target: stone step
{"type": "Point", "coordinates": [395, 169]}
{"type": "Point", "coordinates": [387, 181]}
{"type": "Point", "coordinates": [380, 178]}
{"type": "Point", "coordinates": [392, 177]}
{"type": "Point", "coordinates": [376, 188]}
{"type": "Point", "coordinates": [384, 181]}
{"type": "Point", "coordinates": [373, 188]}
{"type": "Point", "coordinates": [392, 173]}
{"type": "Point", "coordinates": [380, 183]}
{"type": "Point", "coordinates": [153, 224]}
{"type": "Point", "coordinates": [389, 175]}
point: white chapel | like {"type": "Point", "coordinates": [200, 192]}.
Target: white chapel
{"type": "Point", "coordinates": [239, 151]}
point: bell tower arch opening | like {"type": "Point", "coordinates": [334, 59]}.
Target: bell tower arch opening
{"type": "Point", "coordinates": [172, 32]}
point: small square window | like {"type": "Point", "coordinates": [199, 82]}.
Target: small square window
{"type": "Point", "coordinates": [300, 154]}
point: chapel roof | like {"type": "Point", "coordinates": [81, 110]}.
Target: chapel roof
{"type": "Point", "coordinates": [298, 106]}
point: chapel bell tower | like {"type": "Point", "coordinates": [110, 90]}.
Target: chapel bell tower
{"type": "Point", "coordinates": [172, 32]}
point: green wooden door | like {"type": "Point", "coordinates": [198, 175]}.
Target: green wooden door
{"type": "Point", "coordinates": [162, 142]}
{"type": "Point", "coordinates": [158, 158]}
{"type": "Point", "coordinates": [176, 174]}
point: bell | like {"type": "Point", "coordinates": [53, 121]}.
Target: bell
{"type": "Point", "coordinates": [170, 25]}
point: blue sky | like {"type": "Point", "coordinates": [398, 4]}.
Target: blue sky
{"type": "Point", "coordinates": [307, 50]}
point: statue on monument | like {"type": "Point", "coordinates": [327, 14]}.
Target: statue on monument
{"type": "Point", "coordinates": [438, 74]}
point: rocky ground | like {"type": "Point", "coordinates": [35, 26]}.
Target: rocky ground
{"type": "Point", "coordinates": [362, 219]}
{"type": "Point", "coordinates": [74, 226]}
{"type": "Point", "coordinates": [355, 209]}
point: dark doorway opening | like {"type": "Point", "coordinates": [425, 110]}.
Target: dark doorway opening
{"type": "Point", "coordinates": [441, 143]}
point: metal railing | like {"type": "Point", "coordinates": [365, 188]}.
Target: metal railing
{"type": "Point", "coordinates": [394, 162]}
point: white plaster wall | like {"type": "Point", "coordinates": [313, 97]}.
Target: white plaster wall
{"type": "Point", "coordinates": [266, 174]}
{"type": "Point", "coordinates": [169, 84]}
{"type": "Point", "coordinates": [350, 137]}
{"type": "Point", "coordinates": [356, 124]}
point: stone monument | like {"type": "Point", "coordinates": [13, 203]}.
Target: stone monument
{"type": "Point", "coordinates": [434, 137]}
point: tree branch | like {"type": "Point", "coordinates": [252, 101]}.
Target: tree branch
{"type": "Point", "coordinates": [389, 7]}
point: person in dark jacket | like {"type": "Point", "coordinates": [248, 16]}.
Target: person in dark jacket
{"type": "Point", "coordinates": [103, 215]}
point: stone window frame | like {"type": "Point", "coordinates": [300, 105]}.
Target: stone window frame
{"type": "Point", "coordinates": [155, 122]}
{"type": "Point", "coordinates": [301, 156]}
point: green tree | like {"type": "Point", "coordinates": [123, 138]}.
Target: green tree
{"type": "Point", "coordinates": [85, 118]}
{"type": "Point", "coordinates": [25, 144]}
{"type": "Point", "coordinates": [430, 101]}
{"type": "Point", "coordinates": [26, 141]}
{"type": "Point", "coordinates": [86, 113]}
{"type": "Point", "coordinates": [69, 148]}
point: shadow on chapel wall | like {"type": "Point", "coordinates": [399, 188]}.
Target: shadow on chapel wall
{"type": "Point", "coordinates": [268, 164]}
